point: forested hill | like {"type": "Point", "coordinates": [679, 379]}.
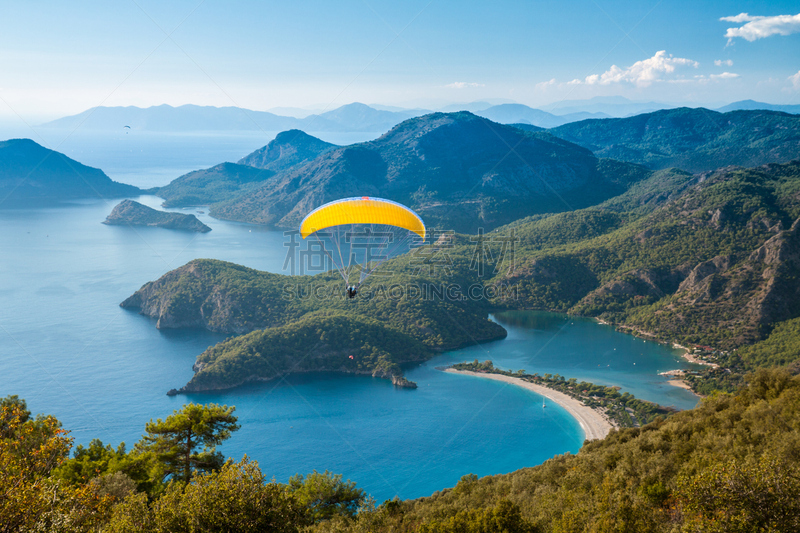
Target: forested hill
{"type": "Point", "coordinates": [301, 323]}
{"type": "Point", "coordinates": [30, 172]}
{"type": "Point", "coordinates": [215, 184]}
{"type": "Point", "coordinates": [715, 265]}
{"type": "Point", "coordinates": [695, 140]}
{"type": "Point", "coordinates": [708, 260]}
{"type": "Point", "coordinates": [287, 149]}
{"type": "Point", "coordinates": [227, 180]}
{"type": "Point", "coordinates": [456, 170]}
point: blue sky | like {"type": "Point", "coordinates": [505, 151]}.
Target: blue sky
{"type": "Point", "coordinates": [60, 58]}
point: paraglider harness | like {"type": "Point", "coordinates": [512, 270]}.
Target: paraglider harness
{"type": "Point", "coordinates": [351, 291]}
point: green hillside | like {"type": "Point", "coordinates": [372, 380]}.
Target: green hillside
{"type": "Point", "coordinates": [715, 265]}
{"type": "Point", "coordinates": [709, 261]}
{"type": "Point", "coordinates": [211, 185]}
{"type": "Point", "coordinates": [228, 180]}
{"type": "Point", "coordinates": [696, 140]}
{"type": "Point", "coordinates": [456, 170]}
{"type": "Point", "coordinates": [295, 323]}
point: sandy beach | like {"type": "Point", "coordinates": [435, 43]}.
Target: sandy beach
{"type": "Point", "coordinates": [680, 383]}
{"type": "Point", "coordinates": [594, 424]}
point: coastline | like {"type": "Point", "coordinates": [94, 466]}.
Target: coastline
{"type": "Point", "coordinates": [595, 425]}
{"type": "Point", "coordinates": [675, 377]}
{"type": "Point", "coordinates": [681, 384]}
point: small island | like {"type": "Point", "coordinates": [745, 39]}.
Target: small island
{"type": "Point", "coordinates": [130, 213]}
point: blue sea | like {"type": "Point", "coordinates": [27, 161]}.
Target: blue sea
{"type": "Point", "coordinates": [69, 349]}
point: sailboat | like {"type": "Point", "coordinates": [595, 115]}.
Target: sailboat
{"type": "Point", "coordinates": [543, 400]}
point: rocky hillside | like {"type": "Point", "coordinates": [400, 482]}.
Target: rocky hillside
{"type": "Point", "coordinates": [217, 296]}
{"type": "Point", "coordinates": [286, 150]}
{"type": "Point", "coordinates": [695, 140]}
{"type": "Point", "coordinates": [456, 170]}
{"type": "Point", "coordinates": [130, 213]}
{"type": "Point", "coordinates": [715, 265]}
{"type": "Point", "coordinates": [31, 173]}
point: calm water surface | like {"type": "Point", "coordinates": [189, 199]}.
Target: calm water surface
{"type": "Point", "coordinates": [69, 349]}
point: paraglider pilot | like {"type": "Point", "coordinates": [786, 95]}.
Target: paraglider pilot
{"type": "Point", "coordinates": [351, 291]}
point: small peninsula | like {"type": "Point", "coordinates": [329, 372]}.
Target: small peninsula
{"type": "Point", "coordinates": [31, 174]}
{"type": "Point", "coordinates": [597, 408]}
{"type": "Point", "coordinates": [130, 213]}
{"type": "Point", "coordinates": [594, 424]}
{"type": "Point", "coordinates": [294, 324]}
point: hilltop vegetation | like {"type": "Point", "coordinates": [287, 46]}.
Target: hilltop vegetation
{"type": "Point", "coordinates": [318, 341]}
{"type": "Point", "coordinates": [295, 324]}
{"type": "Point", "coordinates": [696, 140]}
{"type": "Point", "coordinates": [172, 480]}
{"type": "Point", "coordinates": [729, 465]}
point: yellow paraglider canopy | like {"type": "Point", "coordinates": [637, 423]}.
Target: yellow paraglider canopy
{"type": "Point", "coordinates": [362, 210]}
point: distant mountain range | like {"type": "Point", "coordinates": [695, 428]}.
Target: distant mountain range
{"type": "Point", "coordinates": [457, 169]}
{"type": "Point", "coordinates": [31, 173]}
{"type": "Point", "coordinates": [752, 104]}
{"type": "Point", "coordinates": [358, 117]}
{"type": "Point", "coordinates": [613, 106]}
{"type": "Point", "coordinates": [351, 117]}
{"type": "Point", "coordinates": [518, 113]}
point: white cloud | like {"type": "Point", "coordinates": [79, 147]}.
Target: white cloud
{"type": "Point", "coordinates": [545, 84]}
{"type": "Point", "coordinates": [463, 85]}
{"type": "Point", "coordinates": [642, 73]}
{"type": "Point", "coordinates": [702, 79]}
{"type": "Point", "coordinates": [721, 62]}
{"type": "Point", "coordinates": [724, 76]}
{"type": "Point", "coordinates": [758, 27]}
{"type": "Point", "coordinates": [795, 79]}
{"type": "Point", "coordinates": [741, 17]}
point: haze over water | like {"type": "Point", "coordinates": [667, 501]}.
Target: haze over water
{"type": "Point", "coordinates": [69, 349]}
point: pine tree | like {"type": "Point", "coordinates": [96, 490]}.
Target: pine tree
{"type": "Point", "coordinates": [186, 441]}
